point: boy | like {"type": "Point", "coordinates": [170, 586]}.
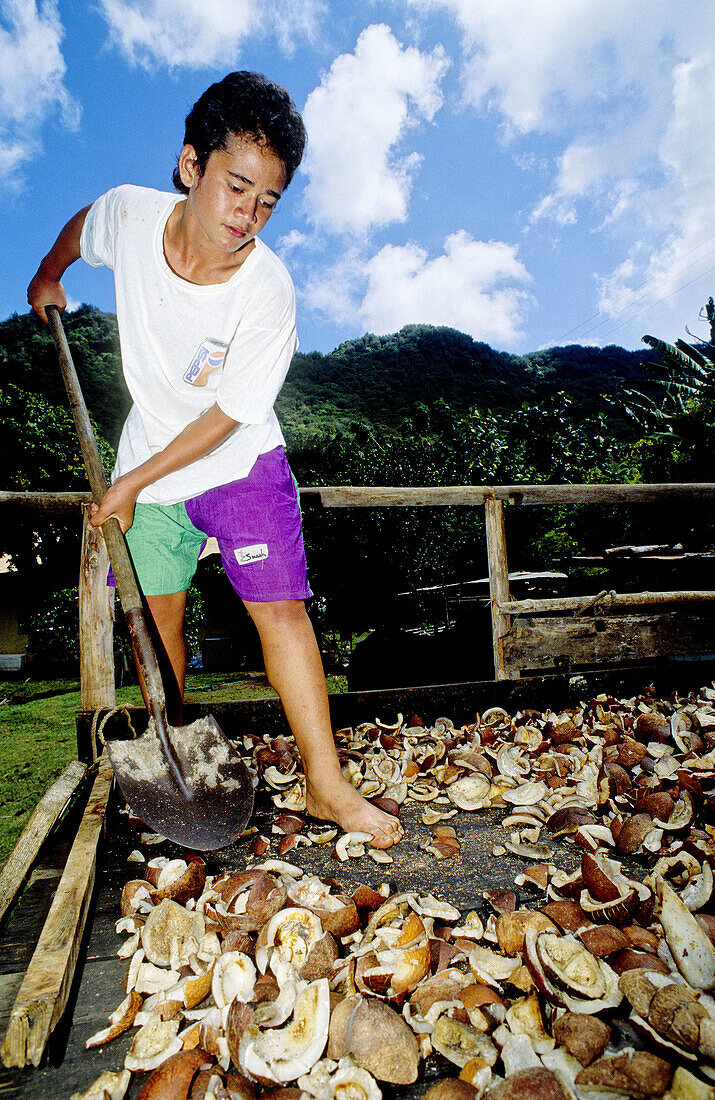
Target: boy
{"type": "Point", "coordinates": [206, 317]}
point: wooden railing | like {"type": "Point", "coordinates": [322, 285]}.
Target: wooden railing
{"type": "Point", "coordinates": [536, 634]}
{"type": "Point", "coordinates": [533, 635]}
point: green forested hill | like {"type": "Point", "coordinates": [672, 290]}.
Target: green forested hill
{"type": "Point", "coordinates": [381, 379]}
{"type": "Point", "coordinates": [28, 361]}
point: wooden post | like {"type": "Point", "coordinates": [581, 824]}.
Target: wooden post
{"type": "Point", "coordinates": [96, 619]}
{"type": "Point", "coordinates": [498, 583]}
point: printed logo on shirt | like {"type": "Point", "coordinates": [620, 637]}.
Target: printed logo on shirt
{"type": "Point", "coordinates": [246, 555]}
{"type": "Point", "coordinates": [209, 358]}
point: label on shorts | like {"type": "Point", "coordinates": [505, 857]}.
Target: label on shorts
{"type": "Point", "coordinates": [246, 555]}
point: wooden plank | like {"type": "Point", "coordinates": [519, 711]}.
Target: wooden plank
{"type": "Point", "coordinates": [46, 813]}
{"type": "Point", "coordinates": [46, 502]}
{"type": "Point", "coordinates": [605, 601]}
{"type": "Point", "coordinates": [96, 618]}
{"type": "Point", "coordinates": [43, 995]}
{"type": "Point", "coordinates": [384, 496]}
{"type": "Point", "coordinates": [540, 643]}
{"type": "Point", "coordinates": [498, 584]}
{"type": "Point", "coordinates": [611, 493]}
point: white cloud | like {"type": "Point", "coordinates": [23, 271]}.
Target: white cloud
{"type": "Point", "coordinates": [687, 250]}
{"type": "Point", "coordinates": [291, 241]}
{"type": "Point", "coordinates": [474, 286]}
{"type": "Point", "coordinates": [627, 91]}
{"type": "Point", "coordinates": [32, 71]}
{"type": "Point", "coordinates": [205, 33]}
{"type": "Point", "coordinates": [543, 63]}
{"type": "Point", "coordinates": [356, 118]}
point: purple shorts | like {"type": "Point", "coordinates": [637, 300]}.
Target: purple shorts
{"type": "Point", "coordinates": [256, 522]}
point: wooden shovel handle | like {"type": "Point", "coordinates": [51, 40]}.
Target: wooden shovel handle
{"type": "Point", "coordinates": [116, 546]}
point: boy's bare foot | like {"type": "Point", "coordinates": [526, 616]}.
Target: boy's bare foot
{"type": "Point", "coordinates": [334, 799]}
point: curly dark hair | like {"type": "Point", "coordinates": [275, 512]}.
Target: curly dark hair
{"type": "Point", "coordinates": [250, 105]}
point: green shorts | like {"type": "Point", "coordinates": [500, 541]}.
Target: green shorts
{"type": "Point", "coordinates": [168, 526]}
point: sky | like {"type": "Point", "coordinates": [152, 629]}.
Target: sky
{"type": "Point", "coordinates": [531, 172]}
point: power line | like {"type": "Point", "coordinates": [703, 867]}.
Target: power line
{"type": "Point", "coordinates": [629, 295]}
{"type": "Point", "coordinates": [659, 300]}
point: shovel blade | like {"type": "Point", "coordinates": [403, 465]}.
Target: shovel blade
{"type": "Point", "coordinates": [220, 799]}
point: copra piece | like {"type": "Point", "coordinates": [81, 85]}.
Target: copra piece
{"type": "Point", "coordinates": [284, 1054]}
{"type": "Point", "coordinates": [112, 1085]}
{"type": "Point", "coordinates": [569, 975]}
{"type": "Point", "coordinates": [692, 948]}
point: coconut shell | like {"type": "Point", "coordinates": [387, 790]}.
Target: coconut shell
{"type": "Point", "coordinates": [640, 938]}
{"type": "Point", "coordinates": [189, 885]}
{"type": "Point", "coordinates": [597, 877]}
{"type": "Point", "coordinates": [530, 1084]}
{"type": "Point", "coordinates": [604, 940]}
{"type": "Point", "coordinates": [235, 1084]}
{"type": "Point", "coordinates": [628, 959]}
{"type": "Point", "coordinates": [586, 1037]}
{"type": "Point", "coordinates": [630, 753]}
{"type": "Point", "coordinates": [639, 990]}
{"type": "Point", "coordinates": [239, 941]}
{"type": "Point", "coordinates": [634, 1074]}
{"type": "Point", "coordinates": [567, 914]}
{"type": "Point", "coordinates": [319, 963]}
{"type": "Point", "coordinates": [379, 1039]}
{"type": "Point", "coordinates": [127, 906]}
{"type": "Point", "coordinates": [451, 1088]}
{"type": "Point", "coordinates": [652, 726]}
{"type": "Point", "coordinates": [288, 1093]}
{"type": "Point", "coordinates": [172, 1080]}
{"type": "Point", "coordinates": [511, 928]}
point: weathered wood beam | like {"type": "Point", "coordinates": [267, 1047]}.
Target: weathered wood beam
{"type": "Point", "coordinates": [42, 997]}
{"type": "Point", "coordinates": [541, 643]}
{"type": "Point", "coordinates": [611, 493]}
{"type": "Point", "coordinates": [381, 496]}
{"type": "Point", "coordinates": [39, 826]}
{"type": "Point", "coordinates": [386, 496]}
{"type": "Point", "coordinates": [604, 602]}
{"type": "Point", "coordinates": [46, 502]}
{"type": "Point", "coordinates": [96, 618]}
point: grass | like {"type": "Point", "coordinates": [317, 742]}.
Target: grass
{"type": "Point", "coordinates": [37, 733]}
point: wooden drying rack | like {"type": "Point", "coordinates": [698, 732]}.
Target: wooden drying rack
{"type": "Point", "coordinates": [526, 634]}
{"type": "Point", "coordinates": [536, 636]}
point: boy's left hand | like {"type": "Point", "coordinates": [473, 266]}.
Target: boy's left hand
{"type": "Point", "coordinates": [118, 503]}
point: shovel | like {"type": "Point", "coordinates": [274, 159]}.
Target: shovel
{"type": "Point", "coordinates": [187, 782]}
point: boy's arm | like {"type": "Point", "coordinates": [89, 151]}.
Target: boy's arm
{"type": "Point", "coordinates": [196, 440]}
{"type": "Point", "coordinates": [46, 288]}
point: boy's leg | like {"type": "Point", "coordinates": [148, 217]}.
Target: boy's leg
{"type": "Point", "coordinates": [295, 671]}
{"type": "Point", "coordinates": [164, 545]}
{"type": "Point", "coordinates": [168, 615]}
{"type": "Point", "coordinates": [167, 629]}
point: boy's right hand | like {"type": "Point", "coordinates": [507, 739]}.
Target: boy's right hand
{"type": "Point", "coordinates": [118, 503]}
{"type": "Point", "coordinates": [45, 291]}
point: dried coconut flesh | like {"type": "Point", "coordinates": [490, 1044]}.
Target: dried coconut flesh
{"type": "Point", "coordinates": [527, 998]}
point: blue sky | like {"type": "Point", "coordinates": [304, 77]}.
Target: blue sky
{"type": "Point", "coordinates": [531, 172]}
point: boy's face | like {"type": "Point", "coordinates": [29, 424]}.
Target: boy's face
{"type": "Point", "coordinates": [236, 195]}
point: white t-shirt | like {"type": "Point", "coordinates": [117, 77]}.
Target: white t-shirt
{"type": "Point", "coordinates": [186, 347]}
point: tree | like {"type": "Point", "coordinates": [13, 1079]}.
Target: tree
{"type": "Point", "coordinates": [675, 410]}
{"type": "Point", "coordinates": [41, 453]}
